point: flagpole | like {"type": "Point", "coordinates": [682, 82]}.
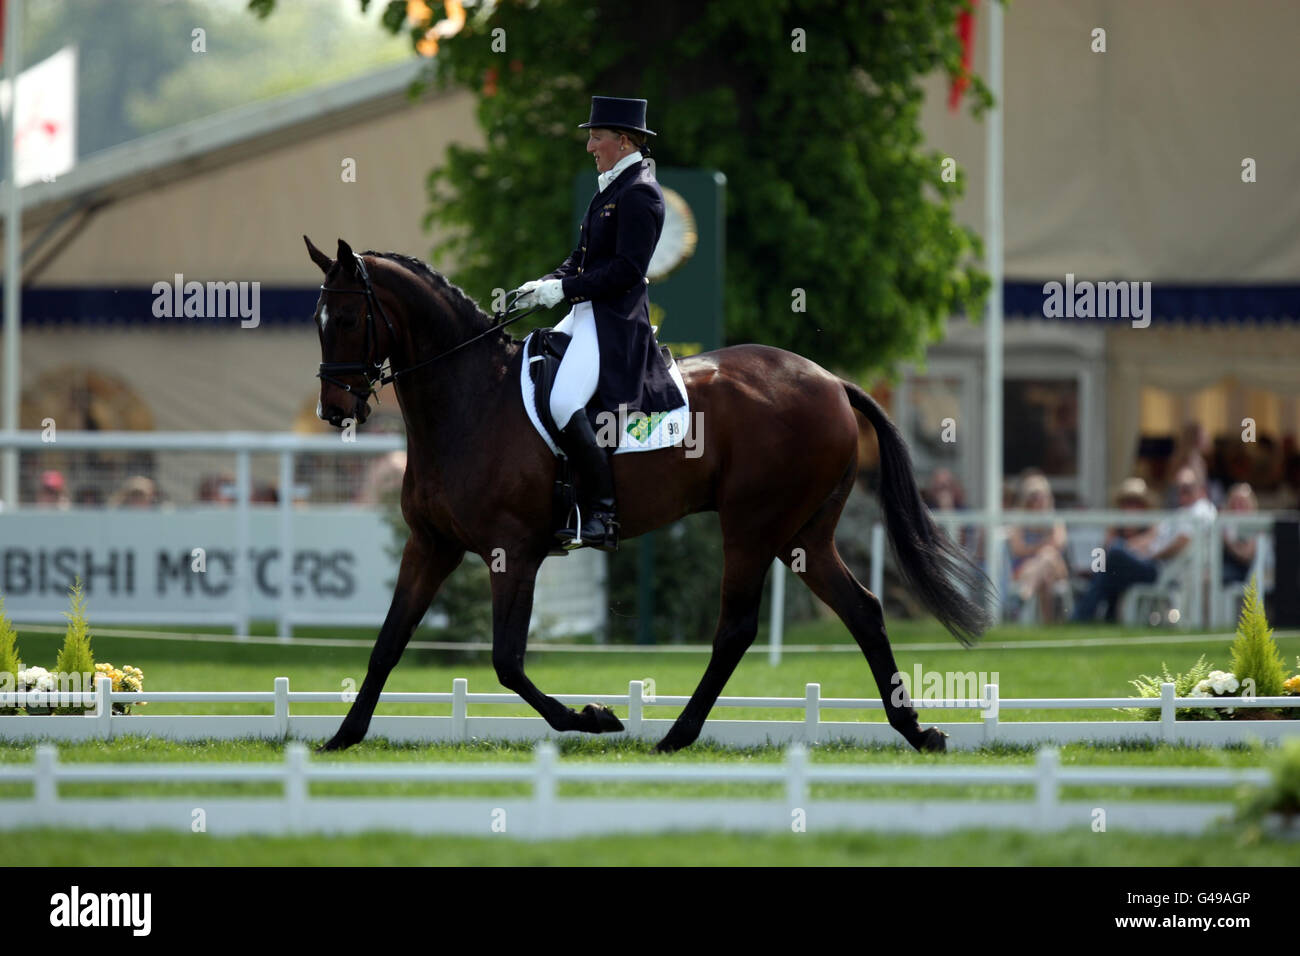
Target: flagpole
{"type": "Point", "coordinates": [993, 319]}
{"type": "Point", "coordinates": [13, 255]}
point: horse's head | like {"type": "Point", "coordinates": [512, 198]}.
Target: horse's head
{"type": "Point", "coordinates": [356, 336]}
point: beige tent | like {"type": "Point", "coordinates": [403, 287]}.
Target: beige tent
{"type": "Point", "coordinates": [1123, 164]}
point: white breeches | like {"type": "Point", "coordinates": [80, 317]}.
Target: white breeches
{"type": "Point", "coordinates": [579, 371]}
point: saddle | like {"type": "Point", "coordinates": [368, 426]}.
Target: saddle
{"type": "Point", "coordinates": [546, 347]}
{"type": "Point", "coordinates": [542, 354]}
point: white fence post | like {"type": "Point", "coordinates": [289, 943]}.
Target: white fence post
{"type": "Point", "coordinates": [878, 560]}
{"type": "Point", "coordinates": [544, 787]}
{"type": "Point", "coordinates": [104, 688]}
{"type": "Point", "coordinates": [992, 700]}
{"type": "Point", "coordinates": [796, 777]}
{"type": "Point", "coordinates": [812, 711]}
{"type": "Point", "coordinates": [295, 787]}
{"type": "Point", "coordinates": [460, 709]}
{"type": "Point", "coordinates": [1167, 713]}
{"type": "Point", "coordinates": [282, 707]}
{"type": "Point", "coordinates": [284, 628]}
{"type": "Point", "coordinates": [635, 707]}
{"type": "Point", "coordinates": [776, 627]}
{"type": "Point", "coordinates": [45, 789]}
{"type": "Point", "coordinates": [1047, 787]}
{"type": "Point", "coordinates": [243, 541]}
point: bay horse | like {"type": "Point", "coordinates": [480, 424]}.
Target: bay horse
{"type": "Point", "coordinates": [774, 451]}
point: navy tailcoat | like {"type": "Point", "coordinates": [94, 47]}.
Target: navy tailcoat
{"type": "Point", "coordinates": [608, 268]}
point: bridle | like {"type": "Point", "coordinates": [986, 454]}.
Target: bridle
{"type": "Point", "coordinates": [373, 369]}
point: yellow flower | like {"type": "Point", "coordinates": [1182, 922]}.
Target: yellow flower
{"type": "Point", "coordinates": [1292, 685]}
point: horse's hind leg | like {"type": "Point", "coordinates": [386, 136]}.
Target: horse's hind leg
{"type": "Point", "coordinates": [862, 614]}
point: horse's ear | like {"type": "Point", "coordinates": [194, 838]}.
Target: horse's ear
{"type": "Point", "coordinates": [318, 257]}
{"type": "Point", "coordinates": [346, 256]}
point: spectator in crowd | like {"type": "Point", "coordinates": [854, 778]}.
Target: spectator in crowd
{"type": "Point", "coordinates": [52, 492]}
{"type": "Point", "coordinates": [89, 496]}
{"type": "Point", "coordinates": [383, 479]}
{"type": "Point", "coordinates": [1038, 553]}
{"type": "Point", "coordinates": [1239, 546]}
{"type": "Point", "coordinates": [217, 489]}
{"type": "Point", "coordinates": [136, 492]}
{"type": "Point", "coordinates": [265, 494]}
{"type": "Point", "coordinates": [1138, 559]}
{"type": "Point", "coordinates": [944, 492]}
{"type": "Point", "coordinates": [1191, 452]}
{"type": "Point", "coordinates": [1133, 495]}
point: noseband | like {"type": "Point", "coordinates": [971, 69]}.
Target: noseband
{"type": "Point", "coordinates": [372, 369]}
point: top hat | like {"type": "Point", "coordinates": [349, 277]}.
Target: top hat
{"type": "Point", "coordinates": [612, 112]}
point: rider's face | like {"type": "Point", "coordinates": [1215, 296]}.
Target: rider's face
{"type": "Point", "coordinates": [605, 145]}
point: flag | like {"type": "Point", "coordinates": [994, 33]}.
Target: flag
{"type": "Point", "coordinates": [46, 118]}
{"type": "Point", "coordinates": [966, 34]}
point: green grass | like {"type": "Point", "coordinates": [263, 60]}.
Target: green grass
{"type": "Point", "coordinates": [1022, 671]}
{"type": "Point", "coordinates": [971, 848]}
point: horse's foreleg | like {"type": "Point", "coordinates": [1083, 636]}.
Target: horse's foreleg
{"type": "Point", "coordinates": [425, 565]}
{"type": "Point", "coordinates": [742, 589]}
{"type": "Point", "coordinates": [512, 606]}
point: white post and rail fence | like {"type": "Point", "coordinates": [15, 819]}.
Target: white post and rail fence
{"type": "Point", "coordinates": [811, 723]}
{"type": "Point", "coordinates": [550, 814]}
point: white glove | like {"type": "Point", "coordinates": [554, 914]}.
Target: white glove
{"type": "Point", "coordinates": [543, 292]}
{"type": "Point", "coordinates": [550, 292]}
{"type": "Point", "coordinates": [528, 294]}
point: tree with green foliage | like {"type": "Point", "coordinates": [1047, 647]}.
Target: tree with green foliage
{"type": "Point", "coordinates": [75, 656]}
{"type": "Point", "coordinates": [1255, 654]}
{"type": "Point", "coordinates": [10, 663]}
{"type": "Point", "coordinates": [810, 107]}
{"type": "Point", "coordinates": [141, 68]}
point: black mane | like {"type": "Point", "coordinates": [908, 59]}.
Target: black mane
{"type": "Point", "coordinates": [465, 307]}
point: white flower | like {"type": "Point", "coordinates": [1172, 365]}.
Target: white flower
{"type": "Point", "coordinates": [1225, 683]}
{"type": "Point", "coordinates": [1202, 689]}
{"type": "Point", "coordinates": [36, 678]}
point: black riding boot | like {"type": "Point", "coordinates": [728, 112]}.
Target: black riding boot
{"type": "Point", "coordinates": [598, 529]}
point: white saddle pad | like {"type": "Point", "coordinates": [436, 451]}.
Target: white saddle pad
{"type": "Point", "coordinates": [636, 432]}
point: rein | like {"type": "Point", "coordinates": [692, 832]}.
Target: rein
{"type": "Point", "coordinates": [374, 371]}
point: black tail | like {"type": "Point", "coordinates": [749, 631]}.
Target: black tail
{"type": "Point", "coordinates": [948, 582]}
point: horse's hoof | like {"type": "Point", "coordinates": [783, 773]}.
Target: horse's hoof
{"type": "Point", "coordinates": [671, 744]}
{"type": "Point", "coordinates": [337, 742]}
{"type": "Point", "coordinates": [600, 720]}
{"type": "Point", "coordinates": [932, 740]}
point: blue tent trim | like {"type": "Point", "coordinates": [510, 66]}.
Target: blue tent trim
{"type": "Point", "coordinates": [277, 306]}
{"type": "Point", "coordinates": [292, 306]}
{"type": "Point", "coordinates": [1261, 303]}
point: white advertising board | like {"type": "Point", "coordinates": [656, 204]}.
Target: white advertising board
{"type": "Point", "coordinates": [178, 566]}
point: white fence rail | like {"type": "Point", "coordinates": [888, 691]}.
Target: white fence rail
{"type": "Point", "coordinates": [549, 815]}
{"type": "Point", "coordinates": [809, 727]}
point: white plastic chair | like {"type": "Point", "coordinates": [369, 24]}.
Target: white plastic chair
{"type": "Point", "coordinates": [1230, 596]}
{"type": "Point", "coordinates": [1169, 590]}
